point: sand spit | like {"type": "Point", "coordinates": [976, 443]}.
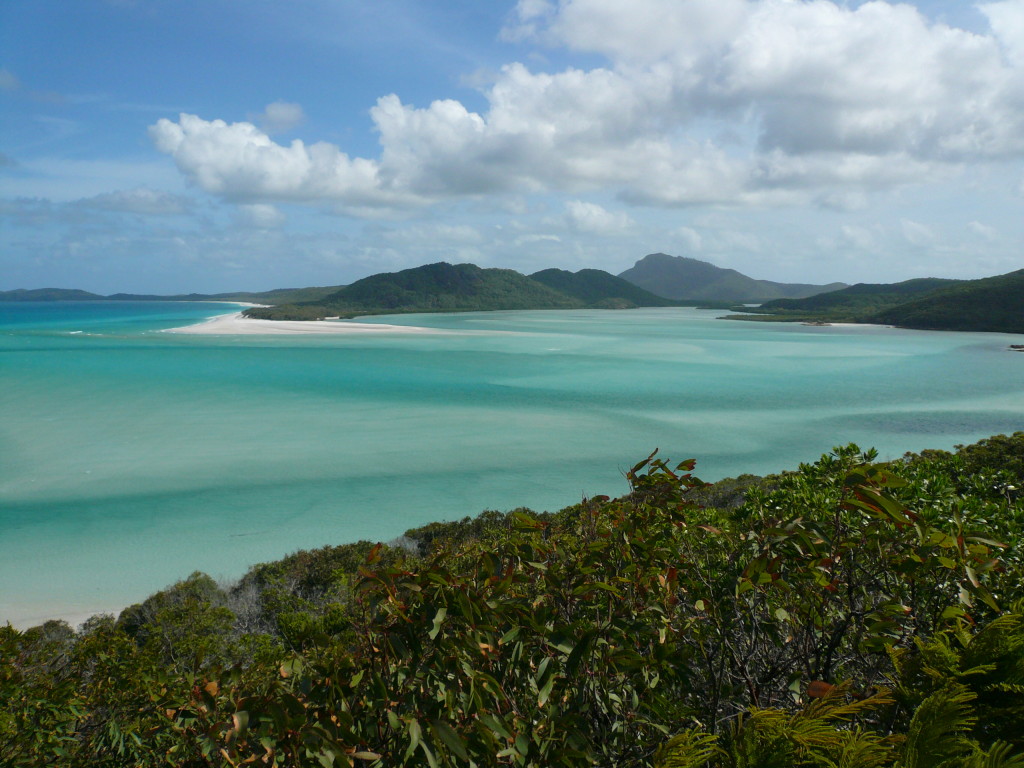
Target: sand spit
{"type": "Point", "coordinates": [237, 324]}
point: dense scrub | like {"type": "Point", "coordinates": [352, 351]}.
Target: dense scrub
{"type": "Point", "coordinates": [846, 614]}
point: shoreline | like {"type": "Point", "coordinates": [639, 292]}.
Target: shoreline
{"type": "Point", "coordinates": [74, 617]}
{"type": "Point", "coordinates": [235, 323]}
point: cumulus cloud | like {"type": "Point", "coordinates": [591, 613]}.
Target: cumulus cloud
{"type": "Point", "coordinates": [281, 117]}
{"type": "Point", "coordinates": [825, 102]}
{"type": "Point", "coordinates": [594, 219]}
{"type": "Point", "coordinates": [241, 163]}
{"type": "Point", "coordinates": [141, 200]}
{"type": "Point", "coordinates": [1007, 21]}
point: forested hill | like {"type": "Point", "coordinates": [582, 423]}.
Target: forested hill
{"type": "Point", "coordinates": [683, 278]}
{"type": "Point", "coordinates": [598, 288]}
{"type": "Point", "coordinates": [444, 287]}
{"type": "Point", "coordinates": [989, 304]}
{"type": "Point", "coordinates": [49, 294]}
{"type": "Point", "coordinates": [849, 614]}
{"type": "Point", "coordinates": [860, 299]}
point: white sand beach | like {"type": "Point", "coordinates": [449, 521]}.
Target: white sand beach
{"type": "Point", "coordinates": [236, 323]}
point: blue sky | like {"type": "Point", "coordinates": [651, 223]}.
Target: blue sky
{"type": "Point", "coordinates": [210, 145]}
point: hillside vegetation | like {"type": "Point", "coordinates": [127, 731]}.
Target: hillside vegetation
{"type": "Point", "coordinates": [683, 278]}
{"type": "Point", "coordinates": [989, 304]}
{"type": "Point", "coordinates": [860, 299]}
{"type": "Point", "coordinates": [444, 287]}
{"type": "Point", "coordinates": [849, 614]}
{"type": "Point", "coordinates": [600, 289]}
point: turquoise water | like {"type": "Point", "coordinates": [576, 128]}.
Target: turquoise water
{"type": "Point", "coordinates": [130, 457]}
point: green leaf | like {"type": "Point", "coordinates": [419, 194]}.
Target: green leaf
{"type": "Point", "coordinates": [438, 620]}
{"type": "Point", "coordinates": [545, 692]}
{"type": "Point", "coordinates": [496, 724]}
{"type": "Point", "coordinates": [451, 739]}
{"type": "Point", "coordinates": [524, 522]}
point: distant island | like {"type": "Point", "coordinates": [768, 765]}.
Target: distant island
{"type": "Point", "coordinates": [444, 287]}
{"type": "Point", "coordinates": [686, 279]}
{"type": "Point", "coordinates": [991, 304]}
{"type": "Point", "coordinates": [657, 280]}
{"type": "Point", "coordinates": [276, 296]}
{"type": "Point", "coordinates": [994, 304]}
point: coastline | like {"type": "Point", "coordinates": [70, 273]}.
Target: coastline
{"type": "Point", "coordinates": [235, 323]}
{"type": "Point", "coordinates": [74, 616]}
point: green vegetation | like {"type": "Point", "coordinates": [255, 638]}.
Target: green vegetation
{"type": "Point", "coordinates": [989, 304]}
{"type": "Point", "coordinates": [858, 300]}
{"type": "Point", "coordinates": [446, 287]}
{"type": "Point", "coordinates": [849, 613]}
{"type": "Point", "coordinates": [600, 289]}
{"type": "Point", "coordinates": [685, 279]}
{"type": "Point", "coordinates": [657, 280]}
{"type": "Point", "coordinates": [49, 294]}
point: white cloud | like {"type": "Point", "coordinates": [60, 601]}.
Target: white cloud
{"type": "Point", "coordinates": [239, 162]}
{"type": "Point", "coordinates": [826, 103]}
{"type": "Point", "coordinates": [1007, 21]}
{"type": "Point", "coordinates": [281, 117]}
{"type": "Point", "coordinates": [527, 15]}
{"type": "Point", "coordinates": [596, 220]}
{"type": "Point", "coordinates": [261, 216]}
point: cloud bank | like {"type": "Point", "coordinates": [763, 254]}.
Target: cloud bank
{"type": "Point", "coordinates": [701, 102]}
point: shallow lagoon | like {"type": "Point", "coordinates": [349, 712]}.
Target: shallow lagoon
{"type": "Point", "coordinates": [130, 457]}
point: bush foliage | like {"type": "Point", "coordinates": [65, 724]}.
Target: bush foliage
{"type": "Point", "coordinates": [850, 613]}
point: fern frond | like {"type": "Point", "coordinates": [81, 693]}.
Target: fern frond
{"type": "Point", "coordinates": [838, 705]}
{"type": "Point", "coordinates": [690, 749]}
{"type": "Point", "coordinates": [865, 749]}
{"type": "Point", "coordinates": [938, 730]}
{"type": "Point", "coordinates": [1001, 755]}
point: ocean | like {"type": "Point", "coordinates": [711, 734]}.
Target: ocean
{"type": "Point", "coordinates": [130, 457]}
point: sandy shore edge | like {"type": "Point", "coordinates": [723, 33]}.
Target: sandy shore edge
{"type": "Point", "coordinates": [75, 617]}
{"type": "Point", "coordinates": [235, 323]}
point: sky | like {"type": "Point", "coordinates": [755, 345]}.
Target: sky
{"type": "Point", "coordinates": [167, 146]}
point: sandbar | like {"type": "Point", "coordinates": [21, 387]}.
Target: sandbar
{"type": "Point", "coordinates": [236, 323]}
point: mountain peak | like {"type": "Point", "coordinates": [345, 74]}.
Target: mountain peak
{"type": "Point", "coordinates": [686, 278]}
